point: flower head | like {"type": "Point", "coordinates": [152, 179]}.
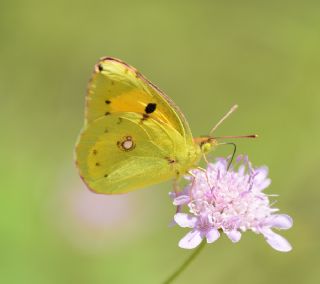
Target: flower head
{"type": "Point", "coordinates": [229, 201]}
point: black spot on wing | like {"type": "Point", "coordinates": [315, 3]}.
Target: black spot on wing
{"type": "Point", "coordinates": [170, 160]}
{"type": "Point", "coordinates": [150, 108]}
{"type": "Point", "coordinates": [108, 102]}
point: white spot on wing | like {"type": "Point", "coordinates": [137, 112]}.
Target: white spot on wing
{"type": "Point", "coordinates": [128, 144]}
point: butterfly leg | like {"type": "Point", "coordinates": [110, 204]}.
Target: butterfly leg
{"type": "Point", "coordinates": [177, 191]}
{"type": "Point", "coordinates": [206, 174]}
{"type": "Point", "coordinates": [192, 183]}
{"type": "Point", "coordinates": [176, 187]}
{"type": "Point", "coordinates": [205, 158]}
{"type": "Point", "coordinates": [193, 180]}
{"type": "Point", "coordinates": [194, 177]}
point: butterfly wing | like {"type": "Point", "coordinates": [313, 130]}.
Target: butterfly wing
{"type": "Point", "coordinates": [118, 87]}
{"type": "Point", "coordinates": [134, 135]}
{"type": "Point", "coordinates": [117, 153]}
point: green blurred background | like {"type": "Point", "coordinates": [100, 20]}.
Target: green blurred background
{"type": "Point", "coordinates": [207, 56]}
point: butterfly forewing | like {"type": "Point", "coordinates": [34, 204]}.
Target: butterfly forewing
{"type": "Point", "coordinates": [117, 87]}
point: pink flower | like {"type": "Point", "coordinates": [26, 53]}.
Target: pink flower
{"type": "Point", "coordinates": [230, 201]}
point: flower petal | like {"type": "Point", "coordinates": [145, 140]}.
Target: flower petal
{"type": "Point", "coordinates": [281, 221]}
{"type": "Point", "coordinates": [182, 199]}
{"type": "Point", "coordinates": [276, 241]}
{"type": "Point", "coordinates": [241, 170]}
{"type": "Point", "coordinates": [220, 164]}
{"type": "Point", "coordinates": [261, 173]}
{"type": "Point", "coordinates": [234, 235]}
{"type": "Point", "coordinates": [191, 240]}
{"type": "Point", "coordinates": [184, 220]}
{"type": "Point", "coordinates": [260, 178]}
{"type": "Point", "coordinates": [172, 195]}
{"type": "Point", "coordinates": [264, 184]}
{"type": "Point", "coordinates": [212, 235]}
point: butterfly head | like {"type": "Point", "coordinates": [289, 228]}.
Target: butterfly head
{"type": "Point", "coordinates": [206, 143]}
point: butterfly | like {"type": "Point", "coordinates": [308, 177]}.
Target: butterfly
{"type": "Point", "coordinates": [134, 135]}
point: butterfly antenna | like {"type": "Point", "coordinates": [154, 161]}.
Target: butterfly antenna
{"type": "Point", "coordinates": [223, 118]}
{"type": "Point", "coordinates": [239, 136]}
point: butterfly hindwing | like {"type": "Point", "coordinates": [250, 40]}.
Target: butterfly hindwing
{"type": "Point", "coordinates": [118, 153]}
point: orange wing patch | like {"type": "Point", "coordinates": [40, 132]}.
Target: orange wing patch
{"type": "Point", "coordinates": [117, 87]}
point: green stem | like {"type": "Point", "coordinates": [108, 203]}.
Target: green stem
{"type": "Point", "coordinates": [185, 264]}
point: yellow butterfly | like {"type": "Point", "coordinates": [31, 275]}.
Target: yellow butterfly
{"type": "Point", "coordinates": [134, 135]}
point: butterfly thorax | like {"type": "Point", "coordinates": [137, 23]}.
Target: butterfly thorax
{"type": "Point", "coordinates": [187, 158]}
